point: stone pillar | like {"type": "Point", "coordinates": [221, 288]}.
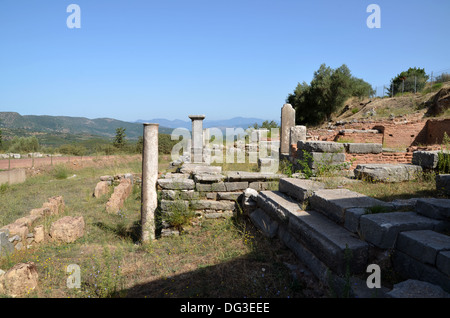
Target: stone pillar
{"type": "Point", "coordinates": [297, 133]}
{"type": "Point", "coordinates": [149, 200]}
{"type": "Point", "coordinates": [197, 138]}
{"type": "Point", "coordinates": [287, 121]}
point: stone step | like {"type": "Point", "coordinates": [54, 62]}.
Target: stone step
{"type": "Point", "coordinates": [331, 243]}
{"type": "Point", "coordinates": [434, 208]}
{"type": "Point", "coordinates": [382, 229]}
{"type": "Point", "coordinates": [425, 246]}
{"type": "Point", "coordinates": [299, 189]}
{"type": "Point", "coordinates": [334, 203]}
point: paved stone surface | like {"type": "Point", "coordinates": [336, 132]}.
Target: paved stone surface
{"type": "Point", "coordinates": [300, 189]}
{"type": "Point", "coordinates": [387, 172]}
{"type": "Point", "coordinates": [417, 289]}
{"type": "Point", "coordinates": [434, 208]}
{"type": "Point", "coordinates": [423, 245]}
{"type": "Point", "coordinates": [334, 202]}
{"type": "Point", "coordinates": [381, 229]}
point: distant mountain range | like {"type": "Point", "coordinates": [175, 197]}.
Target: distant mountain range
{"type": "Point", "coordinates": [236, 122]}
{"type": "Point", "coordinates": [106, 127]}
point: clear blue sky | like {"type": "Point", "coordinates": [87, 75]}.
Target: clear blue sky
{"type": "Point", "coordinates": [144, 59]}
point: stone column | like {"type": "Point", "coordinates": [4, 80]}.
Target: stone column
{"type": "Point", "coordinates": [287, 121]}
{"type": "Point", "coordinates": [197, 138]}
{"type": "Point", "coordinates": [149, 200]}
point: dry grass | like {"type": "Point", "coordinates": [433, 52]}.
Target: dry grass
{"type": "Point", "coordinates": [211, 258]}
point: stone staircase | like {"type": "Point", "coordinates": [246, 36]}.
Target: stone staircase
{"type": "Point", "coordinates": [334, 233]}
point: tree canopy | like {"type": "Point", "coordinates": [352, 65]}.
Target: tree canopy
{"type": "Point", "coordinates": [413, 80]}
{"type": "Point", "coordinates": [316, 102]}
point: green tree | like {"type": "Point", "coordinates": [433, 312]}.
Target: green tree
{"type": "Point", "coordinates": [413, 80]}
{"type": "Point", "coordinates": [119, 139]}
{"type": "Point", "coordinates": [24, 144]}
{"type": "Point", "coordinates": [326, 94]}
{"type": "Point", "coordinates": [1, 139]}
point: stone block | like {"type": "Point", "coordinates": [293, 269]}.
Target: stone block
{"type": "Point", "coordinates": [321, 146]}
{"type": "Point", "coordinates": [6, 248]}
{"type": "Point", "coordinates": [423, 245]}
{"type": "Point", "coordinates": [236, 186]}
{"type": "Point", "coordinates": [412, 288]}
{"type": "Point", "coordinates": [208, 177]}
{"type": "Point", "coordinates": [212, 205]}
{"type": "Point", "coordinates": [334, 202]}
{"type": "Point", "coordinates": [414, 269]}
{"type": "Point", "coordinates": [352, 218]}
{"type": "Point", "coordinates": [362, 148]}
{"type": "Point", "coordinates": [387, 172]}
{"type": "Point", "coordinates": [425, 159]}
{"type": "Point", "coordinates": [178, 205]}
{"type": "Point", "coordinates": [176, 184]}
{"type": "Point", "coordinates": [434, 208]}
{"type": "Point", "coordinates": [300, 189]}
{"type": "Point", "coordinates": [382, 229]}
{"type": "Point", "coordinates": [231, 196]}
{"type": "Point", "coordinates": [320, 159]}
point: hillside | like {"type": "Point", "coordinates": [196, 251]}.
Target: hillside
{"type": "Point", "coordinates": [411, 106]}
{"type": "Point", "coordinates": [102, 127]}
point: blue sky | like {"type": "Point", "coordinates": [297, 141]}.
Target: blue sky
{"type": "Point", "coordinates": [144, 59]}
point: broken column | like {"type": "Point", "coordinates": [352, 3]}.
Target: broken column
{"type": "Point", "coordinates": [287, 121]}
{"type": "Point", "coordinates": [297, 133]}
{"type": "Point", "coordinates": [149, 200]}
{"type": "Point", "coordinates": [197, 138]}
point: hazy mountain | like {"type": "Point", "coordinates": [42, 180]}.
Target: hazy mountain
{"type": "Point", "coordinates": [235, 122]}
{"type": "Point", "coordinates": [105, 127]}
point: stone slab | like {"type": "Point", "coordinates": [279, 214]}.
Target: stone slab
{"type": "Point", "coordinates": [426, 159]}
{"type": "Point", "coordinates": [208, 177]}
{"type": "Point", "coordinates": [334, 202]}
{"type": "Point", "coordinates": [176, 184]}
{"type": "Point", "coordinates": [278, 205]}
{"type": "Point", "coordinates": [363, 148]}
{"type": "Point", "coordinates": [412, 288]}
{"type": "Point", "coordinates": [236, 186]}
{"type": "Point", "coordinates": [423, 245]}
{"type": "Point", "coordinates": [232, 196]}
{"type": "Point", "coordinates": [212, 205]}
{"type": "Point", "coordinates": [319, 159]}
{"type": "Point", "coordinates": [434, 208]}
{"type": "Point", "coordinates": [413, 269]}
{"type": "Point", "coordinates": [300, 189]}
{"type": "Point", "coordinates": [251, 176]}
{"type": "Point", "coordinates": [6, 247]}
{"type": "Point", "coordinates": [387, 172]}
{"type": "Point", "coordinates": [352, 217]}
{"type": "Point", "coordinates": [382, 229]}
{"type": "Point", "coordinates": [177, 195]}
{"type": "Point", "coordinates": [320, 146]}
{"type": "Point", "coordinates": [169, 205]}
